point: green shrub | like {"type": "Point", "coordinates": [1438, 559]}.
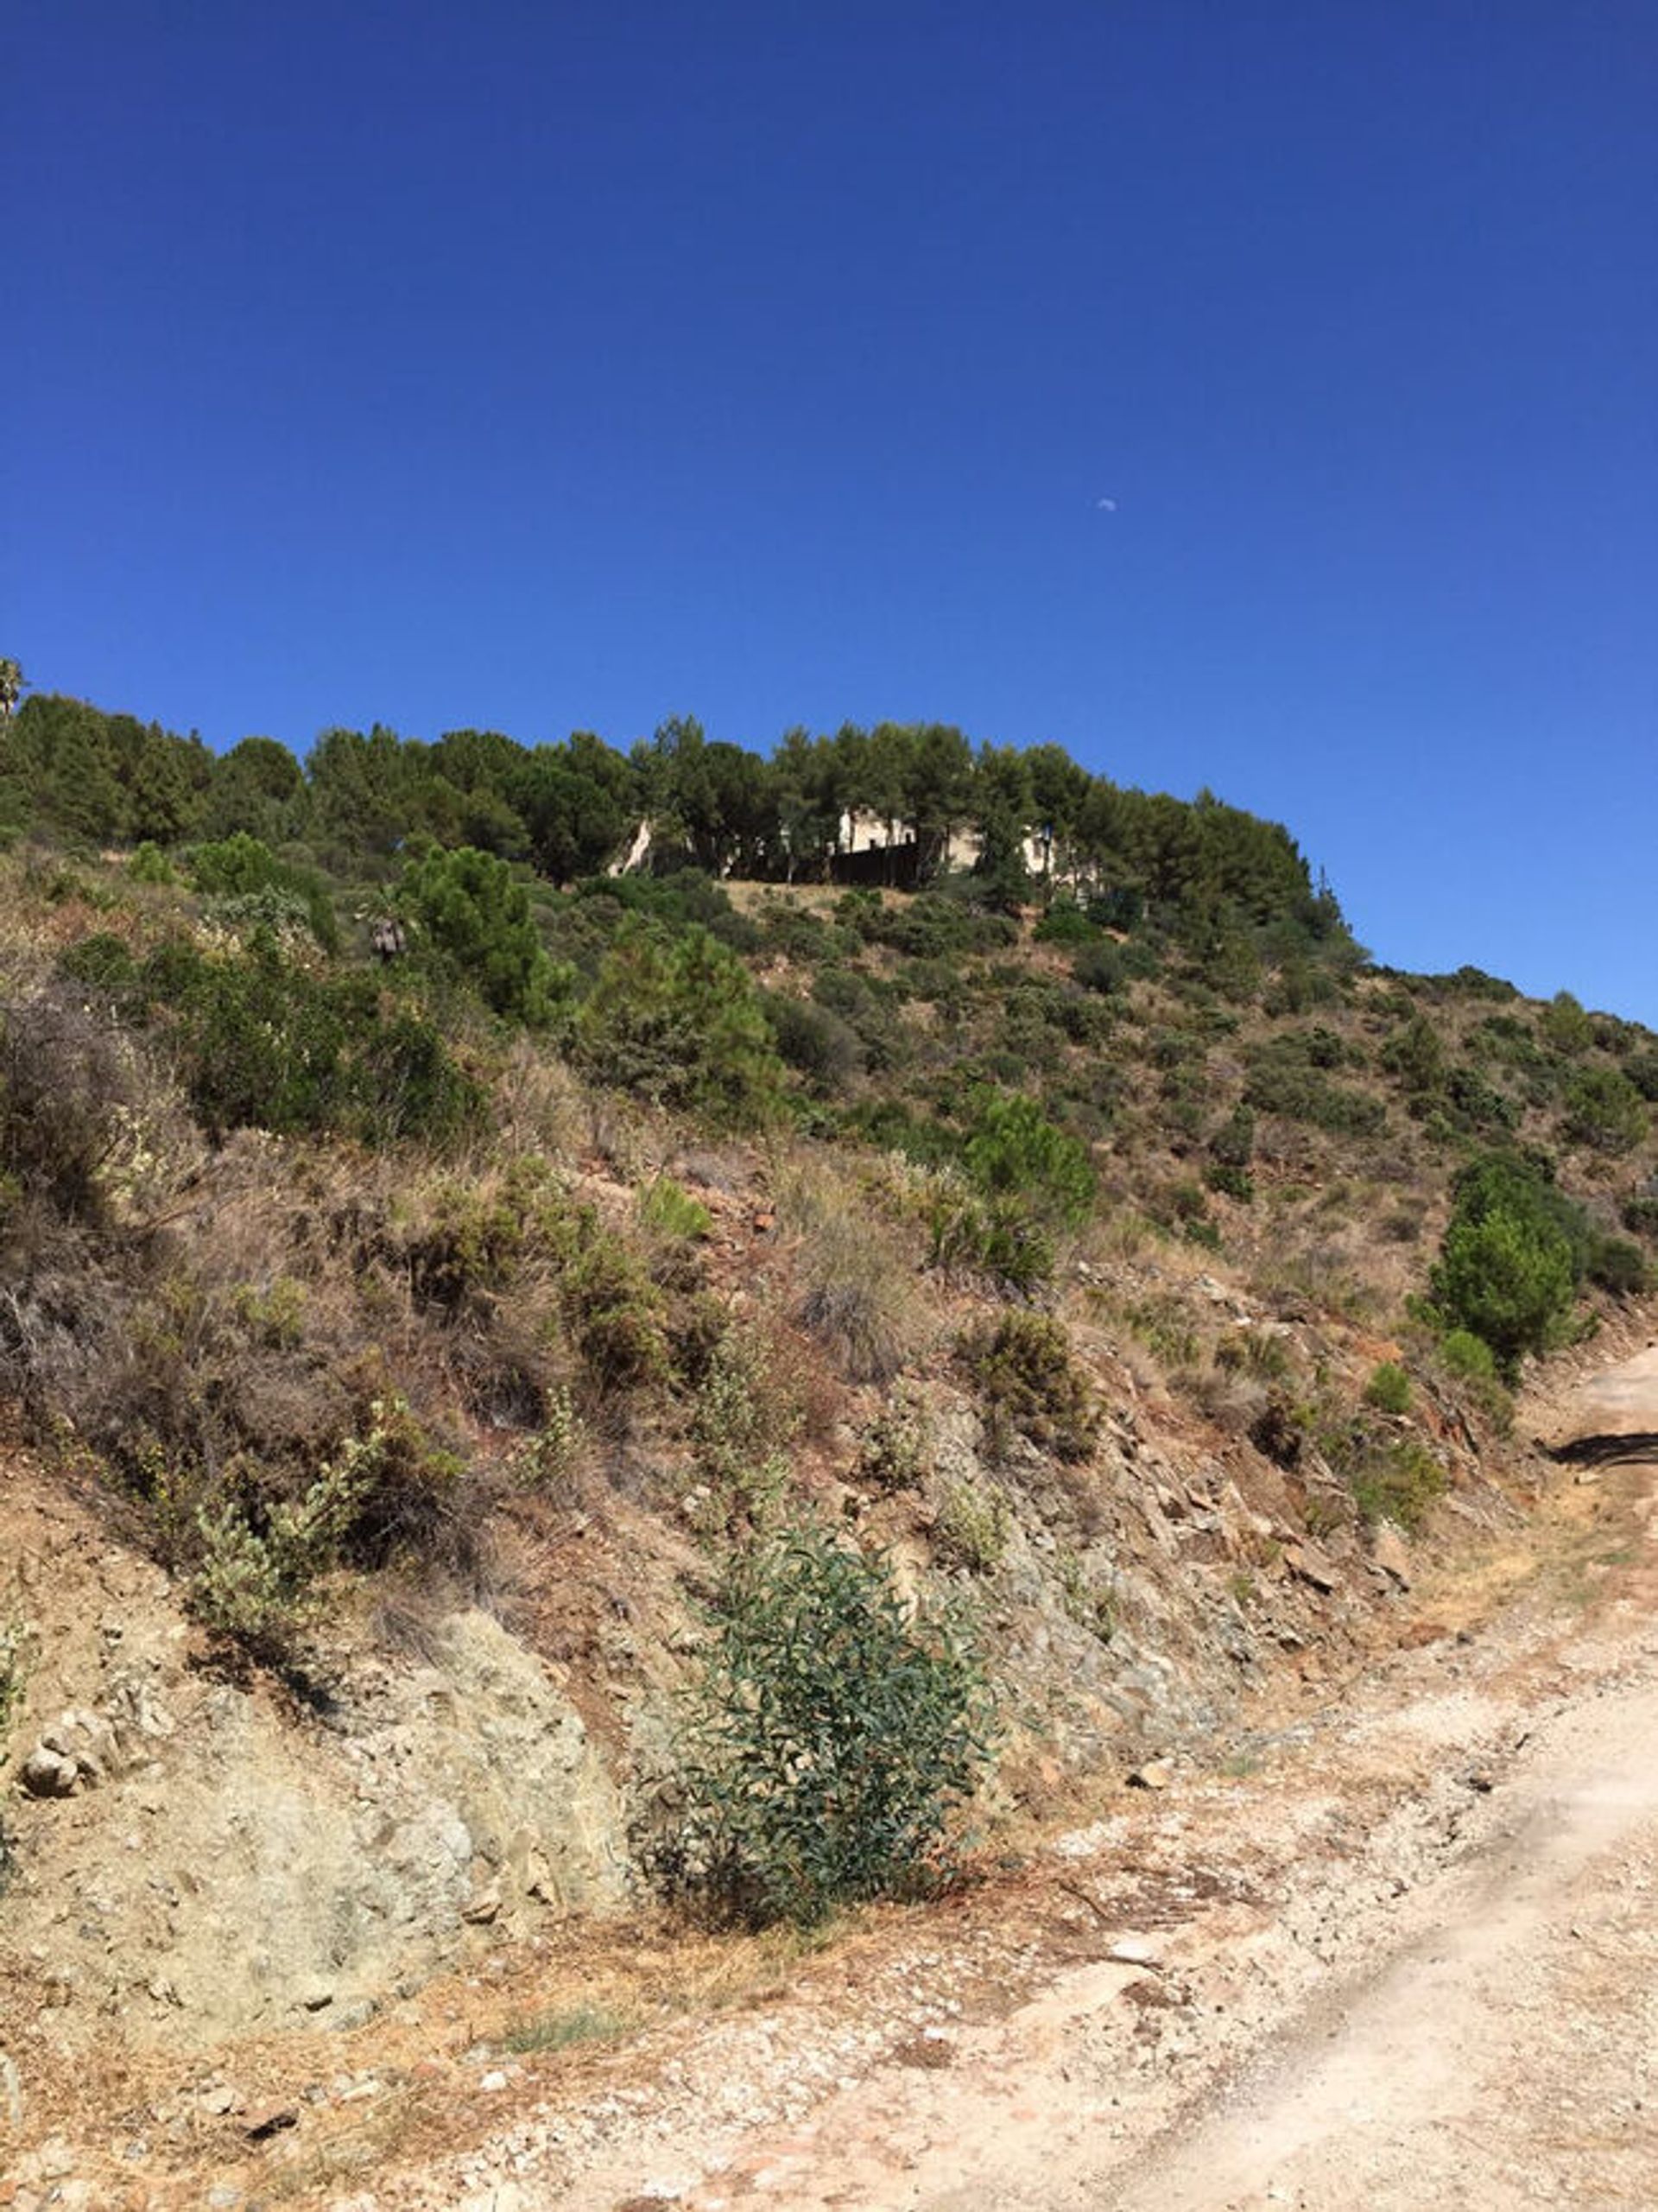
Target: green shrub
{"type": "Point", "coordinates": [1028, 1382]}
{"type": "Point", "coordinates": [827, 1745]}
{"type": "Point", "coordinates": [239, 872]}
{"type": "Point", "coordinates": [1507, 1278]}
{"type": "Point", "coordinates": [149, 864]}
{"type": "Point", "coordinates": [669, 1208]}
{"type": "Point", "coordinates": [1619, 1266]}
{"type": "Point", "coordinates": [826, 1050]}
{"type": "Point", "coordinates": [1066, 922]}
{"type": "Point", "coordinates": [1031, 1180]}
{"type": "Point", "coordinates": [263, 1043]}
{"type": "Point", "coordinates": [678, 1020]}
{"type": "Point", "coordinates": [935, 928]}
{"type": "Point", "coordinates": [1567, 1029]}
{"type": "Point", "coordinates": [1415, 1054]}
{"type": "Point", "coordinates": [1468, 1360]}
{"type": "Point", "coordinates": [1507, 1265]}
{"type": "Point", "coordinates": [1232, 1144]}
{"type": "Point", "coordinates": [1101, 965]}
{"type": "Point", "coordinates": [1605, 1111]}
{"type": "Point", "coordinates": [1288, 1077]}
{"type": "Point", "coordinates": [1474, 1104]}
{"type": "Point", "coordinates": [102, 963]}
{"type": "Point", "coordinates": [1389, 1388]}
{"type": "Point", "coordinates": [1398, 1481]}
{"type": "Point", "coordinates": [611, 1308]}
{"type": "Point", "coordinates": [472, 910]}
{"type": "Point", "coordinates": [970, 1529]}
{"type": "Point", "coordinates": [1467, 1356]}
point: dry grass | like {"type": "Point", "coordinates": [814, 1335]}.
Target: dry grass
{"type": "Point", "coordinates": [856, 1273]}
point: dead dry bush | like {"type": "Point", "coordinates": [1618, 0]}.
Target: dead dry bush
{"type": "Point", "coordinates": [858, 1296]}
{"type": "Point", "coordinates": [539, 1104]}
{"type": "Point", "coordinates": [1229, 1396]}
{"type": "Point", "coordinates": [86, 1124]}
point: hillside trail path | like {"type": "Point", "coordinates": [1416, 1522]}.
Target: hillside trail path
{"type": "Point", "coordinates": [1418, 1966]}
{"type": "Point", "coordinates": [1507, 2053]}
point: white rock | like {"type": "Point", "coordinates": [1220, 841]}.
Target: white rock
{"type": "Point", "coordinates": [48, 1774]}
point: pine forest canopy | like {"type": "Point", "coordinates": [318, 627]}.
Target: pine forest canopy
{"type": "Point", "coordinates": [360, 801]}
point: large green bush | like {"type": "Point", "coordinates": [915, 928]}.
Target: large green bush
{"type": "Point", "coordinates": [1605, 1111]}
{"type": "Point", "coordinates": [1014, 1149]}
{"type": "Point", "coordinates": [248, 884]}
{"type": "Point", "coordinates": [264, 1043]}
{"type": "Point", "coordinates": [832, 1737]}
{"type": "Point", "coordinates": [678, 1020]}
{"type": "Point", "coordinates": [1507, 1267]}
{"type": "Point", "coordinates": [1027, 1181]}
{"type": "Point", "coordinates": [475, 912]}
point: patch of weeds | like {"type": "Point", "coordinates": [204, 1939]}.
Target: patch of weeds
{"type": "Point", "coordinates": [1398, 1483]}
{"type": "Point", "coordinates": [1320, 1516]}
{"type": "Point", "coordinates": [1254, 1351]}
{"type": "Point", "coordinates": [274, 1317]}
{"type": "Point", "coordinates": [994, 1237]}
{"type": "Point", "coordinates": [896, 1449]}
{"type": "Point", "coordinates": [551, 1460]}
{"type": "Point", "coordinates": [859, 1297]}
{"type": "Point", "coordinates": [742, 1424]}
{"type": "Point", "coordinates": [669, 1208]}
{"type": "Point", "coordinates": [1279, 1431]}
{"type": "Point", "coordinates": [1085, 1603]}
{"type": "Point", "coordinates": [970, 1529]}
{"type": "Point", "coordinates": [1029, 1383]}
{"type": "Point", "coordinates": [1389, 1389]}
{"type": "Point", "coordinates": [16, 1654]}
{"type": "Point", "coordinates": [563, 2031]}
{"type": "Point", "coordinates": [1240, 1766]}
{"type": "Point", "coordinates": [1229, 1182]}
{"type": "Point", "coordinates": [1164, 1327]}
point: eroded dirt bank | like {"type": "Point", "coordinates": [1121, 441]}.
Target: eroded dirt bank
{"type": "Point", "coordinates": [1392, 1949]}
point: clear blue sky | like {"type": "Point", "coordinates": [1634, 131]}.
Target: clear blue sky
{"type": "Point", "coordinates": [540, 366]}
